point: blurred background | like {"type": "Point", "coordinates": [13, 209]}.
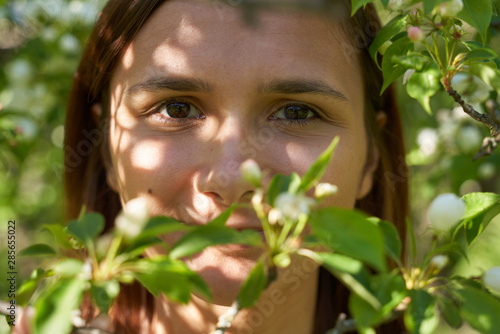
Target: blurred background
{"type": "Point", "coordinates": [40, 45]}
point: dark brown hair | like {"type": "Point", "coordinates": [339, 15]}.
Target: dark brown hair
{"type": "Point", "coordinates": [86, 148]}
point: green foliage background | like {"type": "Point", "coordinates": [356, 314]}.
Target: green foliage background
{"type": "Point", "coordinates": [40, 45]}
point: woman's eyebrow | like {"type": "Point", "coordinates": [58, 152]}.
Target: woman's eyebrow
{"type": "Point", "coordinates": [177, 83]}
{"type": "Point", "coordinates": [301, 86]}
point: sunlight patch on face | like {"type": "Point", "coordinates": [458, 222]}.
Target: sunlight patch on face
{"type": "Point", "coordinates": [146, 155]}
{"type": "Point", "coordinates": [128, 57]}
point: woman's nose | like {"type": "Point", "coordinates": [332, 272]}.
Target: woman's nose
{"type": "Point", "coordinates": [221, 178]}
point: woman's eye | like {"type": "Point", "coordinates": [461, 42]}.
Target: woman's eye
{"type": "Point", "coordinates": [294, 112]}
{"type": "Point", "coordinates": [178, 110]}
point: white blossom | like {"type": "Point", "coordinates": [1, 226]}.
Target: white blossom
{"type": "Point", "coordinates": [251, 172]}
{"type": "Point", "coordinates": [132, 219]}
{"type": "Point", "coordinates": [439, 261]}
{"type": "Point", "coordinates": [396, 4]}
{"type": "Point", "coordinates": [491, 279]}
{"type": "Point", "coordinates": [324, 190]}
{"type": "Point", "coordinates": [450, 8]}
{"type": "Point", "coordinates": [445, 211]}
{"type": "Point", "coordinates": [487, 170]}
{"type": "Point", "coordinates": [427, 140]}
{"type": "Point", "coordinates": [292, 206]}
{"type": "Point", "coordinates": [469, 139]}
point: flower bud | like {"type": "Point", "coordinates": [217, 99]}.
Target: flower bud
{"type": "Point", "coordinates": [457, 31]}
{"type": "Point", "coordinates": [414, 15]}
{"type": "Point", "coordinates": [282, 260]}
{"type": "Point", "coordinates": [324, 190]}
{"type": "Point", "coordinates": [445, 211]}
{"type": "Point", "coordinates": [257, 197]}
{"type": "Point", "coordinates": [133, 218]}
{"type": "Point", "coordinates": [415, 34]}
{"type": "Point", "coordinates": [251, 172]}
{"type": "Point", "coordinates": [491, 279]}
{"type": "Point", "coordinates": [439, 261]}
{"type": "Point", "coordinates": [450, 8]}
{"type": "Point", "coordinates": [275, 216]}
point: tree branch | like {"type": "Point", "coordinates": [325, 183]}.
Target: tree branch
{"type": "Point", "coordinates": [488, 119]}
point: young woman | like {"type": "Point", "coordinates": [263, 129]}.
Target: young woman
{"type": "Point", "coordinates": [172, 96]}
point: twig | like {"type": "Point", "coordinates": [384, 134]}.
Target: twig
{"type": "Point", "coordinates": [343, 325]}
{"type": "Point", "coordinates": [489, 143]}
{"type": "Point", "coordinates": [227, 318]}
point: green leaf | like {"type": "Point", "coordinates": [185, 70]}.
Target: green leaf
{"type": "Point", "coordinates": [55, 307]}
{"type": "Point", "coordinates": [253, 286]}
{"type": "Point", "coordinates": [160, 225]}
{"type": "Point", "coordinates": [481, 310]}
{"type": "Point", "coordinates": [87, 229]}
{"type": "Point", "coordinates": [68, 267]}
{"type": "Point", "coordinates": [358, 283]}
{"type": "Point", "coordinates": [170, 277]}
{"type": "Point", "coordinates": [137, 247]}
{"type": "Point", "coordinates": [385, 34]}
{"type": "Point", "coordinates": [363, 313]}
{"type": "Point", "coordinates": [429, 6]}
{"type": "Point", "coordinates": [422, 85]}
{"type": "Point", "coordinates": [104, 293]}
{"type": "Point", "coordinates": [38, 250]}
{"type": "Point", "coordinates": [411, 61]}
{"type": "Point", "coordinates": [460, 237]}
{"type": "Point", "coordinates": [480, 54]}
{"type": "Point", "coordinates": [390, 290]}
{"type": "Point", "coordinates": [450, 313]}
{"type": "Point", "coordinates": [392, 240]}
{"type": "Point", "coordinates": [390, 70]}
{"type": "Point", "coordinates": [478, 203]}
{"type": "Point", "coordinates": [488, 72]}
{"type": "Point", "coordinates": [209, 235]}
{"type": "Point", "coordinates": [224, 216]}
{"type": "Point", "coordinates": [480, 209]}
{"type": "Point", "coordinates": [478, 14]}
{"type": "Point", "coordinates": [420, 317]}
{"type": "Point", "coordinates": [476, 226]}
{"type": "Point", "coordinates": [357, 4]}
{"type": "Point", "coordinates": [340, 262]}
{"type": "Point", "coordinates": [59, 234]}
{"type": "Point", "coordinates": [318, 168]}
{"type": "Point", "coordinates": [350, 233]}
{"type": "Point", "coordinates": [29, 286]}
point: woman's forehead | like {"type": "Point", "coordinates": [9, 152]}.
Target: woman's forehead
{"type": "Point", "coordinates": [208, 40]}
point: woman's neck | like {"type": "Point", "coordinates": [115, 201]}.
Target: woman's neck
{"type": "Point", "coordinates": [287, 306]}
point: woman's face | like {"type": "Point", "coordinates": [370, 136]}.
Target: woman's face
{"type": "Point", "coordinates": [198, 92]}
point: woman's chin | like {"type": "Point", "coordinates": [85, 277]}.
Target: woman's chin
{"type": "Point", "coordinates": [224, 269]}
